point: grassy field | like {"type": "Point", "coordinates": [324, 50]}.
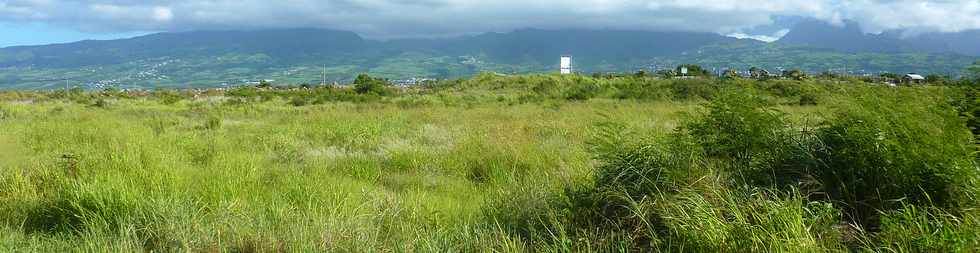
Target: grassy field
{"type": "Point", "coordinates": [501, 164]}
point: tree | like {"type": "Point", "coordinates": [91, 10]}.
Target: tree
{"type": "Point", "coordinates": [693, 70]}
{"type": "Point", "coordinates": [264, 84]}
{"type": "Point", "coordinates": [641, 73]}
{"type": "Point", "coordinates": [758, 73]}
{"type": "Point", "coordinates": [795, 74]}
{"type": "Point", "coordinates": [731, 74]}
{"type": "Point", "coordinates": [365, 84]}
{"type": "Point", "coordinates": [827, 75]}
{"type": "Point", "coordinates": [889, 75]}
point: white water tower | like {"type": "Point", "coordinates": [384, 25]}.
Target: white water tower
{"type": "Point", "coordinates": [566, 64]}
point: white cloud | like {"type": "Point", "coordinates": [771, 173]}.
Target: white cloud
{"type": "Point", "coordinates": [766, 38]}
{"type": "Point", "coordinates": [162, 14]}
{"type": "Point", "coordinates": [398, 18]}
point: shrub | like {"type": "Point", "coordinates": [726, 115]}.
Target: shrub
{"type": "Point", "coordinates": [693, 70]}
{"type": "Point", "coordinates": [78, 212]}
{"type": "Point", "coordinates": [101, 103]}
{"type": "Point", "coordinates": [746, 134]}
{"type": "Point", "coordinates": [213, 122]}
{"type": "Point", "coordinates": [414, 102]}
{"type": "Point", "coordinates": [784, 88]}
{"type": "Point", "coordinates": [298, 101]}
{"type": "Point", "coordinates": [640, 166]}
{"type": "Point", "coordinates": [5, 113]}
{"type": "Point", "coordinates": [544, 86]}
{"type": "Point", "coordinates": [524, 211]}
{"type": "Point", "coordinates": [246, 93]}
{"type": "Point", "coordinates": [721, 220]}
{"type": "Point", "coordinates": [808, 99]}
{"type": "Point", "coordinates": [365, 84]}
{"type": "Point", "coordinates": [925, 229]}
{"type": "Point", "coordinates": [795, 74]}
{"type": "Point", "coordinates": [167, 97]}
{"type": "Point", "coordinates": [889, 146]}
{"type": "Point", "coordinates": [967, 102]}
{"type": "Point", "coordinates": [639, 88]}
{"type": "Point", "coordinates": [687, 89]}
{"type": "Point", "coordinates": [582, 90]}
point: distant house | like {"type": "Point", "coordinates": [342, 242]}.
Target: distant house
{"type": "Point", "coordinates": [911, 78]}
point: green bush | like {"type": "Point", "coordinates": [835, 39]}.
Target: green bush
{"type": "Point", "coordinates": [167, 97]}
{"type": "Point", "coordinates": [213, 122]}
{"type": "Point", "coordinates": [926, 229]}
{"type": "Point", "coordinates": [246, 93]}
{"type": "Point", "coordinates": [365, 84]}
{"type": "Point", "coordinates": [414, 102]}
{"type": "Point", "coordinates": [687, 89]}
{"type": "Point", "coordinates": [5, 113]}
{"type": "Point", "coordinates": [79, 212]}
{"type": "Point", "coordinates": [808, 99]}
{"type": "Point", "coordinates": [895, 145]}
{"type": "Point", "coordinates": [641, 166]}
{"type": "Point", "coordinates": [582, 89]}
{"type": "Point", "coordinates": [720, 220]}
{"type": "Point", "coordinates": [101, 103]}
{"type": "Point", "coordinates": [744, 133]}
{"type": "Point", "coordinates": [299, 101]}
{"type": "Point", "coordinates": [784, 88]}
{"type": "Point", "coordinates": [639, 88]}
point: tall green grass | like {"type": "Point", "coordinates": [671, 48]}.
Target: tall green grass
{"type": "Point", "coordinates": [492, 164]}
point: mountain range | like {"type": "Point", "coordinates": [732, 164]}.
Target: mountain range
{"type": "Point", "coordinates": [849, 37]}
{"type": "Point", "coordinates": [293, 56]}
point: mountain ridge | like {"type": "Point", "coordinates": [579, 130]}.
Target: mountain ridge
{"type": "Point", "coordinates": [303, 55]}
{"type": "Point", "coordinates": [850, 37]}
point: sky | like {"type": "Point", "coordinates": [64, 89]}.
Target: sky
{"type": "Point", "coordinates": [15, 34]}
{"type": "Point", "coordinates": [26, 22]}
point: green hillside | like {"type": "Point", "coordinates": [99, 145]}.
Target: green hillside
{"type": "Point", "coordinates": [295, 56]}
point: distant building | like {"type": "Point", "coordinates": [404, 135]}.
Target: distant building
{"type": "Point", "coordinates": [913, 78]}
{"type": "Point", "coordinates": [566, 65]}
{"type": "Point", "coordinates": [411, 82]}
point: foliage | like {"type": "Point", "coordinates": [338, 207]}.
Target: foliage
{"type": "Point", "coordinates": [167, 97]}
{"type": "Point", "coordinates": [926, 229]}
{"type": "Point", "coordinates": [693, 70]}
{"type": "Point", "coordinates": [508, 163]}
{"type": "Point", "coordinates": [365, 84]}
{"type": "Point", "coordinates": [737, 126]}
{"type": "Point", "coordinates": [582, 91]}
{"type": "Point", "coordinates": [936, 79]}
{"type": "Point", "coordinates": [975, 70]}
{"type": "Point", "coordinates": [879, 150]}
{"type": "Point", "coordinates": [758, 73]}
{"type": "Point", "coordinates": [263, 84]}
{"type": "Point", "coordinates": [795, 74]}
{"type": "Point", "coordinates": [730, 74]}
{"type": "Point", "coordinates": [688, 89]}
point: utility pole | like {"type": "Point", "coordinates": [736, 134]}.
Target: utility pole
{"type": "Point", "coordinates": [323, 76]}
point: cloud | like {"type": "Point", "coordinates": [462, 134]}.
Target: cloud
{"type": "Point", "coordinates": [411, 18]}
{"type": "Point", "coordinates": [766, 38]}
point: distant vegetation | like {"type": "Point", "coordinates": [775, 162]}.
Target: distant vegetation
{"type": "Point", "coordinates": [537, 163]}
{"type": "Point", "coordinates": [295, 56]}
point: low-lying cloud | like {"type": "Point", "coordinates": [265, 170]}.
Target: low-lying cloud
{"type": "Point", "coordinates": [415, 18]}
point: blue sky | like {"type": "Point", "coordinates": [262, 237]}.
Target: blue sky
{"type": "Point", "coordinates": [34, 33]}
